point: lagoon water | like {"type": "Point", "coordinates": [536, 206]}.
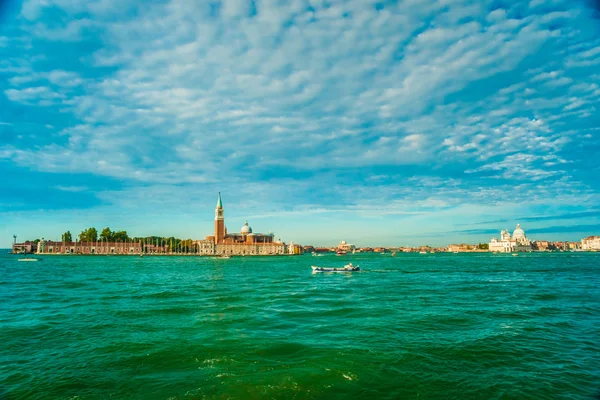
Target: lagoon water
{"type": "Point", "coordinates": [414, 326]}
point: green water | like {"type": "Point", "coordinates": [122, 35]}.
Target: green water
{"type": "Point", "coordinates": [434, 326]}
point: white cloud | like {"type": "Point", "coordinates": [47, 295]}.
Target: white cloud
{"type": "Point", "coordinates": [192, 98]}
{"type": "Point", "coordinates": [31, 93]}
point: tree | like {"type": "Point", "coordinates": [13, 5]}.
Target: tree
{"type": "Point", "coordinates": [92, 235]}
{"type": "Point", "coordinates": [106, 235]}
{"type": "Point", "coordinates": [66, 237]}
{"type": "Point", "coordinates": [120, 236]}
{"type": "Point", "coordinates": [88, 235]}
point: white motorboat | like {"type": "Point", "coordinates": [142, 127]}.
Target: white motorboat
{"type": "Point", "coordinates": [27, 259]}
{"type": "Point", "coordinates": [346, 268]}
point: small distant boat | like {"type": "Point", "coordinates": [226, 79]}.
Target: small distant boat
{"type": "Point", "coordinates": [346, 268]}
{"type": "Point", "coordinates": [394, 253]}
{"type": "Point", "coordinates": [515, 254]}
{"type": "Point", "coordinates": [29, 259]}
{"type": "Point", "coordinates": [224, 257]}
{"type": "Point", "coordinates": [455, 252]}
{"type": "Point", "coordinates": [422, 252]}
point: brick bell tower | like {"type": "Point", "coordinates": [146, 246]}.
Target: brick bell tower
{"type": "Point", "coordinates": [219, 222]}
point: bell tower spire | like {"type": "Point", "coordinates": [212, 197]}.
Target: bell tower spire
{"type": "Point", "coordinates": [219, 222]}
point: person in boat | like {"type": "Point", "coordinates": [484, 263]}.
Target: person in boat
{"type": "Point", "coordinates": [349, 266]}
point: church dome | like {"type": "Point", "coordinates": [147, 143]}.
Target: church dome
{"type": "Point", "coordinates": [518, 233]}
{"type": "Point", "coordinates": [246, 229]}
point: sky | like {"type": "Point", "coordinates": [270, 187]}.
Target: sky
{"type": "Point", "coordinates": [376, 122]}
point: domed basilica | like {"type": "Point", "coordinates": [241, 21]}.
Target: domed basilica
{"type": "Point", "coordinates": [244, 243]}
{"type": "Point", "coordinates": [507, 244]}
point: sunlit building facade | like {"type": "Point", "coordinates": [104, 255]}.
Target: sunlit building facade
{"type": "Point", "coordinates": [246, 242]}
{"type": "Point", "coordinates": [591, 243]}
{"type": "Point", "coordinates": [507, 244]}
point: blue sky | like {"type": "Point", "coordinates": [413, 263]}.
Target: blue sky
{"type": "Point", "coordinates": [392, 123]}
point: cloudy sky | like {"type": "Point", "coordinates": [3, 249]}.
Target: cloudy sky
{"type": "Point", "coordinates": [376, 122]}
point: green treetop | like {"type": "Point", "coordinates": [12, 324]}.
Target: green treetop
{"type": "Point", "coordinates": [66, 237]}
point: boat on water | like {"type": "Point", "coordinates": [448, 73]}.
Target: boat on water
{"type": "Point", "coordinates": [29, 259]}
{"type": "Point", "coordinates": [346, 268]}
{"type": "Point", "coordinates": [514, 254]}
{"type": "Point", "coordinates": [224, 257]}
{"type": "Point", "coordinates": [422, 252]}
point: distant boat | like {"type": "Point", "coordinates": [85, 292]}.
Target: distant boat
{"type": "Point", "coordinates": [455, 252]}
{"type": "Point", "coordinates": [224, 257]}
{"type": "Point", "coordinates": [394, 253]}
{"type": "Point", "coordinates": [515, 254]}
{"type": "Point", "coordinates": [346, 268]}
{"type": "Point", "coordinates": [29, 259]}
{"type": "Point", "coordinates": [422, 252]}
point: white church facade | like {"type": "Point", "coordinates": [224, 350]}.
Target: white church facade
{"type": "Point", "coordinates": [507, 244]}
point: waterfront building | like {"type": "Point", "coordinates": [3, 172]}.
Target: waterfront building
{"type": "Point", "coordinates": [309, 249]}
{"type": "Point", "coordinates": [345, 247]}
{"type": "Point", "coordinates": [150, 248]}
{"type": "Point", "coordinates": [507, 244]}
{"type": "Point", "coordinates": [101, 247]}
{"type": "Point", "coordinates": [26, 247]}
{"type": "Point", "coordinates": [462, 248]}
{"type": "Point", "coordinates": [591, 243]}
{"type": "Point", "coordinates": [246, 242]}
{"type": "Point", "coordinates": [294, 248]}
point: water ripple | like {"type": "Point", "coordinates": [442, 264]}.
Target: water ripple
{"type": "Point", "coordinates": [438, 326]}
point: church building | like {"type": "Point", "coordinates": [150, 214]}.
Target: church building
{"type": "Point", "coordinates": [246, 242]}
{"type": "Point", "coordinates": [506, 244]}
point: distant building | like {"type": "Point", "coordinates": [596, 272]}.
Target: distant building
{"type": "Point", "coordinates": [462, 248]}
{"type": "Point", "coordinates": [347, 247]}
{"type": "Point", "coordinates": [541, 245]}
{"type": "Point", "coordinates": [246, 242]}
{"type": "Point", "coordinates": [294, 248]}
{"type": "Point", "coordinates": [507, 244]}
{"type": "Point", "coordinates": [51, 247]}
{"type": "Point", "coordinates": [591, 243]}
{"type": "Point", "coordinates": [26, 247]}
{"type": "Point", "coordinates": [309, 249]}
